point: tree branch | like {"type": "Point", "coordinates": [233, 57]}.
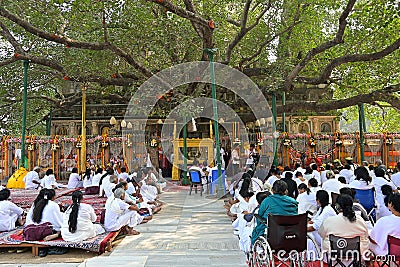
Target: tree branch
{"type": "Point", "coordinates": [265, 43]}
{"type": "Point", "coordinates": [385, 94]}
{"type": "Point", "coordinates": [324, 46]}
{"type": "Point", "coordinates": [181, 12]}
{"type": "Point", "coordinates": [9, 37]}
{"type": "Point", "coordinates": [354, 58]}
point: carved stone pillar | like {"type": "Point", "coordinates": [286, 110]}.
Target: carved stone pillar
{"type": "Point", "coordinates": [315, 124]}
{"type": "Point", "coordinates": [72, 129]}
{"type": "Point", "coordinates": [95, 128]}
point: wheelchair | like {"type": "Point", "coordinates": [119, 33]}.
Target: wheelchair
{"type": "Point", "coordinates": [284, 244]}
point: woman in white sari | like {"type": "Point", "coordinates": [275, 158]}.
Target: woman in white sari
{"type": "Point", "coordinates": [78, 221]}
{"type": "Point", "coordinates": [10, 214]}
{"type": "Point", "coordinates": [119, 213]}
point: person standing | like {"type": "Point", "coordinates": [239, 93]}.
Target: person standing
{"type": "Point", "coordinates": [235, 159]}
{"type": "Point", "coordinates": [252, 157]}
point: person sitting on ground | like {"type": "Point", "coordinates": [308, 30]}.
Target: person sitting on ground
{"type": "Point", "coordinates": [74, 180]}
{"type": "Point", "coordinates": [113, 180]}
{"type": "Point", "coordinates": [346, 224]}
{"type": "Point", "coordinates": [307, 199]}
{"type": "Point", "coordinates": [363, 180]}
{"type": "Point", "coordinates": [78, 221]}
{"type": "Point", "coordinates": [119, 213]}
{"type": "Point", "coordinates": [378, 182]}
{"type": "Point", "coordinates": [46, 210]}
{"type": "Point", "coordinates": [299, 179]}
{"type": "Point", "coordinates": [292, 185]}
{"type": "Point", "coordinates": [105, 181]}
{"type": "Point", "coordinates": [31, 179]}
{"type": "Point", "coordinates": [275, 175]}
{"type": "Point", "coordinates": [308, 174]}
{"type": "Point", "coordinates": [331, 184]}
{"type": "Point", "coordinates": [387, 192]}
{"type": "Point", "coordinates": [342, 179]}
{"type": "Point", "coordinates": [49, 180]}
{"type": "Point", "coordinates": [11, 215]}
{"type": "Point", "coordinates": [325, 211]}
{"type": "Point", "coordinates": [96, 178]}
{"type": "Point", "coordinates": [316, 173]}
{"type": "Point", "coordinates": [313, 185]}
{"type": "Point", "coordinates": [386, 226]}
{"type": "Point", "coordinates": [123, 176]}
{"type": "Point", "coordinates": [347, 173]}
{"type": "Point", "coordinates": [87, 178]}
{"type": "Point", "coordinates": [137, 200]}
{"type": "Point", "coordinates": [245, 223]}
{"type": "Point", "coordinates": [278, 203]}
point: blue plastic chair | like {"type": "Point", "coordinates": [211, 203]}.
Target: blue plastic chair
{"type": "Point", "coordinates": [366, 198]}
{"type": "Point", "coordinates": [214, 180]}
{"type": "Point", "coordinates": [195, 180]}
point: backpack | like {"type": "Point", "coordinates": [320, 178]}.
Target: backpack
{"type": "Point", "coordinates": [36, 232]}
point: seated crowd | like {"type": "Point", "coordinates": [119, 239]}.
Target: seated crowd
{"type": "Point", "coordinates": [328, 194]}
{"type": "Point", "coordinates": [130, 201]}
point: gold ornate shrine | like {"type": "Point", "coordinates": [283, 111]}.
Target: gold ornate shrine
{"type": "Point", "coordinates": [201, 149]}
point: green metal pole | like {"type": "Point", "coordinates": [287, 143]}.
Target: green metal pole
{"type": "Point", "coordinates": [361, 122]}
{"type": "Point", "coordinates": [24, 162]}
{"type": "Point", "coordinates": [48, 122]}
{"type": "Point", "coordinates": [211, 52]}
{"type": "Point", "coordinates": [275, 162]}
{"type": "Point", "coordinates": [283, 113]}
{"type": "Point", "coordinates": [185, 181]}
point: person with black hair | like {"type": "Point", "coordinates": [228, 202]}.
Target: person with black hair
{"type": "Point", "coordinates": [307, 199]}
{"type": "Point", "coordinates": [10, 214]}
{"type": "Point", "coordinates": [78, 221]}
{"type": "Point", "coordinates": [299, 178]}
{"type": "Point", "coordinates": [324, 211]}
{"type": "Point", "coordinates": [275, 176]}
{"type": "Point", "coordinates": [46, 210]}
{"type": "Point", "coordinates": [342, 179]}
{"type": "Point", "coordinates": [49, 180]}
{"type": "Point", "coordinates": [346, 224]}
{"type": "Point", "coordinates": [357, 207]}
{"type": "Point", "coordinates": [97, 176]}
{"type": "Point", "coordinates": [347, 173]}
{"type": "Point", "coordinates": [363, 180]}
{"type": "Point", "coordinates": [87, 177]}
{"type": "Point", "coordinates": [386, 226]}
{"type": "Point", "coordinates": [315, 172]}
{"type": "Point", "coordinates": [313, 185]}
{"type": "Point", "coordinates": [379, 181]}
{"type": "Point", "coordinates": [278, 203]}
{"type": "Point", "coordinates": [105, 181]}
{"type": "Point", "coordinates": [387, 192]}
{"type": "Point", "coordinates": [308, 174]}
{"type": "Point", "coordinates": [74, 180]}
{"type": "Point", "coordinates": [120, 214]}
{"type": "Point", "coordinates": [292, 185]}
{"type": "Point", "coordinates": [245, 223]}
{"type": "Point", "coordinates": [123, 176]}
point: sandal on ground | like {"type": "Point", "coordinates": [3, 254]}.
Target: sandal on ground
{"type": "Point", "coordinates": [12, 250]}
{"type": "Point", "coordinates": [43, 253]}
{"type": "Point", "coordinates": [57, 251]}
{"type": "Point", "coordinates": [22, 250]}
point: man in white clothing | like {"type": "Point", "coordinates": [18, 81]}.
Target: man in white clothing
{"type": "Point", "coordinates": [31, 179]}
{"type": "Point", "coordinates": [396, 177]}
{"type": "Point", "coordinates": [347, 173]}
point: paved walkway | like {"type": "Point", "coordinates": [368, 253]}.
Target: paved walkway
{"type": "Point", "coordinates": [189, 231]}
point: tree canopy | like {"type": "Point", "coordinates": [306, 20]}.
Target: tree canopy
{"type": "Point", "coordinates": [347, 47]}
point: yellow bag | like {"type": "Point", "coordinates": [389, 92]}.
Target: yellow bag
{"type": "Point", "coordinates": [17, 179]}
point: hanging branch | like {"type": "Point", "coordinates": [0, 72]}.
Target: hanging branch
{"type": "Point", "coordinates": [321, 48]}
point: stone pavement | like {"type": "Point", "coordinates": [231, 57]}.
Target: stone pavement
{"type": "Point", "coordinates": [190, 231]}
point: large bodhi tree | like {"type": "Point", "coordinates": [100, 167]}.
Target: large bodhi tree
{"type": "Point", "coordinates": [114, 45]}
